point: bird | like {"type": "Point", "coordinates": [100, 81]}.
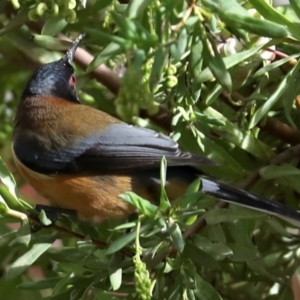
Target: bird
{"type": "Point", "coordinates": [81, 159]}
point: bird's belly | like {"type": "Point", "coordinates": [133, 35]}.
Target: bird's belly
{"type": "Point", "coordinates": [91, 196]}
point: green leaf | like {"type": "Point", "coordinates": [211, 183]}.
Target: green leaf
{"type": "Point", "coordinates": [296, 6]}
{"type": "Point", "coordinates": [103, 295]}
{"type": "Point", "coordinates": [220, 155]}
{"type": "Point", "coordinates": [15, 22]}
{"type": "Point", "coordinates": [193, 187]}
{"type": "Point", "coordinates": [217, 250]}
{"type": "Point", "coordinates": [270, 13]}
{"type": "Point", "coordinates": [225, 6]}
{"type": "Point", "coordinates": [102, 4]}
{"type": "Point", "coordinates": [199, 199]}
{"type": "Point", "coordinates": [136, 8]}
{"type": "Point", "coordinates": [209, 120]}
{"type": "Point", "coordinates": [54, 25]}
{"type": "Point", "coordinates": [278, 227]}
{"type": "Point", "coordinates": [204, 291]}
{"type": "Point", "coordinates": [125, 226]}
{"type": "Point", "coordinates": [216, 216]}
{"type": "Point", "coordinates": [266, 107]}
{"type": "Point", "coordinates": [7, 179]}
{"type": "Point", "coordinates": [213, 94]}
{"type": "Point", "coordinates": [199, 257]}
{"type": "Point", "coordinates": [243, 253]}
{"type": "Point", "coordinates": [61, 285]}
{"type": "Point", "coordinates": [259, 267]}
{"type": "Point", "coordinates": [109, 51]}
{"type": "Point", "coordinates": [160, 57]}
{"type": "Point", "coordinates": [39, 285]}
{"type": "Point", "coordinates": [254, 25]}
{"type": "Point", "coordinates": [244, 139]}
{"type": "Point", "coordinates": [196, 61]}
{"type": "Point", "coordinates": [116, 279]}
{"type": "Point", "coordinates": [290, 182]}
{"type": "Point", "coordinates": [231, 61]}
{"type": "Point", "coordinates": [242, 231]}
{"type": "Point", "coordinates": [3, 206]}
{"type": "Point", "coordinates": [44, 219]}
{"type": "Point", "coordinates": [164, 201]}
{"type": "Point", "coordinates": [27, 259]}
{"type": "Point", "coordinates": [69, 254]}
{"type": "Point", "coordinates": [176, 235]}
{"type": "Point", "coordinates": [274, 65]}
{"type": "Point", "coordinates": [215, 62]}
{"type": "Point", "coordinates": [127, 27]}
{"type": "Point", "coordinates": [24, 234]}
{"type": "Point", "coordinates": [120, 243]}
{"type": "Point", "coordinates": [144, 206]}
{"type": "Point", "coordinates": [215, 233]}
{"type": "Point", "coordinates": [122, 42]}
{"type": "Point", "coordinates": [178, 48]}
{"type": "Point", "coordinates": [273, 171]}
{"type": "Point", "coordinates": [50, 43]}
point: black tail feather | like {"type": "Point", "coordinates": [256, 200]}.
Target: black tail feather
{"type": "Point", "coordinates": [233, 195]}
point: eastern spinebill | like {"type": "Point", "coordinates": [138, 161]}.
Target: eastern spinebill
{"type": "Point", "coordinates": [80, 158]}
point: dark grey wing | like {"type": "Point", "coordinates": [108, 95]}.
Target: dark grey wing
{"type": "Point", "coordinates": [120, 147]}
{"type": "Point", "coordinates": [123, 147]}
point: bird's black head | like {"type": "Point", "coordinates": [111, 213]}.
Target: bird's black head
{"type": "Point", "coordinates": [56, 78]}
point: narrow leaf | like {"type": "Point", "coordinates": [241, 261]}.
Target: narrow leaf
{"type": "Point", "coordinates": [272, 171]}
{"type": "Point", "coordinates": [216, 216]}
{"type": "Point", "coordinates": [109, 51]}
{"type": "Point", "coordinates": [204, 291]}
{"type": "Point", "coordinates": [15, 22]}
{"type": "Point", "coordinates": [215, 62]}
{"type": "Point", "coordinates": [136, 8]}
{"type": "Point", "coordinates": [27, 259]}
{"type": "Point", "coordinates": [7, 179]}
{"type": "Point", "coordinates": [296, 7]}
{"type": "Point", "coordinates": [120, 243]}
{"type": "Point", "coordinates": [54, 25]}
{"type": "Point", "coordinates": [258, 26]}
{"type": "Point", "coordinates": [284, 84]}
{"type": "Point", "coordinates": [230, 61]}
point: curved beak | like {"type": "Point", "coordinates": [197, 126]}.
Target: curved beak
{"type": "Point", "coordinates": [69, 56]}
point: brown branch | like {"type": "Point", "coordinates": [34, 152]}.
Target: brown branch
{"type": "Point", "coordinates": [280, 54]}
{"type": "Point", "coordinates": [76, 235]}
{"type": "Point", "coordinates": [280, 130]}
{"type": "Point", "coordinates": [185, 17]}
{"type": "Point", "coordinates": [103, 74]}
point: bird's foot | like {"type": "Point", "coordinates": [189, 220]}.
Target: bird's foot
{"type": "Point", "coordinates": [48, 216]}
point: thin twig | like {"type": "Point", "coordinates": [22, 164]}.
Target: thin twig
{"type": "Point", "coordinates": [186, 15]}
{"type": "Point", "coordinates": [76, 235]}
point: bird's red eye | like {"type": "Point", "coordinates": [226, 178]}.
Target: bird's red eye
{"type": "Point", "coordinates": [72, 80]}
